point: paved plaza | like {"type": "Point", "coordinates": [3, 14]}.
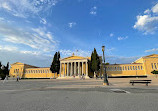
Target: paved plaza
{"type": "Point", "coordinates": [78, 95]}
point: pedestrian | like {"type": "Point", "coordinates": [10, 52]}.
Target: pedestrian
{"type": "Point", "coordinates": [83, 76]}
{"type": "Point", "coordinates": [17, 78]}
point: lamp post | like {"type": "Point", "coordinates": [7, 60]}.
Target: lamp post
{"type": "Point", "coordinates": [105, 74]}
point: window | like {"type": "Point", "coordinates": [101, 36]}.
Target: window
{"type": "Point", "coordinates": [155, 66]}
{"type": "Point", "coordinates": [133, 68]}
{"type": "Point", "coordinates": [115, 68]}
{"type": "Point", "coordinates": [120, 68]}
{"type": "Point", "coordinates": [128, 67]}
{"type": "Point", "coordinates": [123, 67]}
{"type": "Point", "coordinates": [141, 68]}
{"type": "Point", "coordinates": [138, 67]}
{"type": "Point", "coordinates": [152, 65]}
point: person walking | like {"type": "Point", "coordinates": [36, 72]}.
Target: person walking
{"type": "Point", "coordinates": [17, 78]}
{"type": "Point", "coordinates": [83, 76]}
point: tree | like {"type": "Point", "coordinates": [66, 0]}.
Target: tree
{"type": "Point", "coordinates": [107, 63]}
{"type": "Point", "coordinates": [95, 62]}
{"type": "Point", "coordinates": [55, 66]}
{"type": "Point", "coordinates": [4, 70]}
{"type": "Point", "coordinates": [155, 72]}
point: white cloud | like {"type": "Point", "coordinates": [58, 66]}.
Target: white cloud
{"type": "Point", "coordinates": [152, 50]}
{"type": "Point", "coordinates": [71, 24]}
{"type": "Point", "coordinates": [93, 10]}
{"type": "Point", "coordinates": [122, 38]}
{"type": "Point", "coordinates": [111, 35]}
{"type": "Point", "coordinates": [147, 11]}
{"type": "Point", "coordinates": [148, 23]}
{"type": "Point", "coordinates": [76, 52]}
{"type": "Point", "coordinates": [43, 21]}
{"type": "Point", "coordinates": [36, 38]}
{"type": "Point", "coordinates": [5, 5]}
{"type": "Point", "coordinates": [155, 9]}
{"type": "Point", "coordinates": [26, 8]}
{"type": "Point", "coordinates": [8, 48]}
{"type": "Point", "coordinates": [112, 59]}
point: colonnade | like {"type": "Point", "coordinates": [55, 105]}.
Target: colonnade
{"type": "Point", "coordinates": [73, 68]}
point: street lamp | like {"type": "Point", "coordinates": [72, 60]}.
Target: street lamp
{"type": "Point", "coordinates": [105, 74]}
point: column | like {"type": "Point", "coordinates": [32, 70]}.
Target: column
{"type": "Point", "coordinates": [78, 68]}
{"type": "Point", "coordinates": [75, 68]}
{"type": "Point", "coordinates": [64, 69]}
{"type": "Point", "coordinates": [71, 69]}
{"type": "Point", "coordinates": [67, 68]}
{"type": "Point", "coordinates": [82, 67]}
{"type": "Point", "coordinates": [86, 69]}
{"type": "Point", "coordinates": [60, 69]}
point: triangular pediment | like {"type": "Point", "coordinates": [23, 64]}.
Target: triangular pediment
{"type": "Point", "coordinates": [74, 58]}
{"type": "Point", "coordinates": [152, 55]}
{"type": "Point", "coordinates": [17, 63]}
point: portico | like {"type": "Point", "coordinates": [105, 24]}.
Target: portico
{"type": "Point", "coordinates": [74, 66]}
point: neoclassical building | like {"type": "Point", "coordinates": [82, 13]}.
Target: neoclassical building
{"type": "Point", "coordinates": [75, 66]}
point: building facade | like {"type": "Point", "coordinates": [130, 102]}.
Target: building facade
{"type": "Point", "coordinates": [141, 67]}
{"type": "Point", "coordinates": [75, 66]}
{"type": "Point", "coordinates": [28, 71]}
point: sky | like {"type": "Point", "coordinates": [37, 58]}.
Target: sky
{"type": "Point", "coordinates": [31, 31]}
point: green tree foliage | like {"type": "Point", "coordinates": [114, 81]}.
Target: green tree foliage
{"type": "Point", "coordinates": [107, 63]}
{"type": "Point", "coordinates": [155, 72]}
{"type": "Point", "coordinates": [4, 70]}
{"type": "Point", "coordinates": [55, 66]}
{"type": "Point", "coordinates": [95, 61]}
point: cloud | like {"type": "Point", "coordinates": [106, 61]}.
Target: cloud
{"type": "Point", "coordinates": [93, 10]}
{"type": "Point", "coordinates": [5, 5]}
{"type": "Point", "coordinates": [76, 52]}
{"type": "Point", "coordinates": [112, 59]}
{"type": "Point", "coordinates": [122, 38]}
{"type": "Point", "coordinates": [43, 21]}
{"type": "Point", "coordinates": [71, 24]}
{"type": "Point", "coordinates": [148, 23]}
{"type": "Point", "coordinates": [26, 8]}
{"type": "Point", "coordinates": [155, 9]}
{"type": "Point", "coordinates": [8, 48]}
{"type": "Point", "coordinates": [111, 35]}
{"type": "Point", "coordinates": [29, 57]}
{"type": "Point", "coordinates": [152, 50]}
{"type": "Point", "coordinates": [36, 38]}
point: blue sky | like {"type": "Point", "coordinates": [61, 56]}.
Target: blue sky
{"type": "Point", "coordinates": [31, 31]}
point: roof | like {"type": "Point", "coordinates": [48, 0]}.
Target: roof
{"type": "Point", "coordinates": [19, 63]}
{"type": "Point", "coordinates": [152, 55]}
{"type": "Point", "coordinates": [74, 57]}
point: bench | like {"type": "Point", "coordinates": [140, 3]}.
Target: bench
{"type": "Point", "coordinates": [140, 81]}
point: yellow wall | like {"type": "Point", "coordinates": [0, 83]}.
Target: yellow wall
{"type": "Point", "coordinates": [148, 61]}
{"type": "Point", "coordinates": [125, 70]}
{"type": "Point", "coordinates": [146, 64]}
{"type": "Point", "coordinates": [25, 71]}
